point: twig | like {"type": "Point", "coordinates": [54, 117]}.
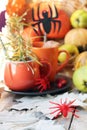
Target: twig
{"type": "Point", "coordinates": [71, 118]}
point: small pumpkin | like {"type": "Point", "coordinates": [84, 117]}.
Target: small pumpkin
{"type": "Point", "coordinates": [19, 8]}
{"type": "Point", "coordinates": [16, 7]}
{"type": "Point", "coordinates": [80, 60]}
{"type": "Point", "coordinates": [78, 37]}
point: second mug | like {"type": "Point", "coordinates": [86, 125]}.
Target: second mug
{"type": "Point", "coordinates": [50, 54]}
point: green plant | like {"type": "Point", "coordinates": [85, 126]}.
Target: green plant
{"type": "Point", "coordinates": [16, 48]}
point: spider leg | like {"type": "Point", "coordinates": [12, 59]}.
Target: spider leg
{"type": "Point", "coordinates": [57, 110]}
{"type": "Point", "coordinates": [57, 15]}
{"type": "Point", "coordinates": [38, 12]}
{"type": "Point", "coordinates": [38, 21]}
{"type": "Point", "coordinates": [54, 103]}
{"type": "Point", "coordinates": [57, 21]}
{"type": "Point", "coordinates": [71, 102]}
{"type": "Point", "coordinates": [56, 116]}
{"type": "Point", "coordinates": [58, 105]}
{"type": "Point", "coordinates": [71, 110]}
{"type": "Point", "coordinates": [33, 15]}
{"type": "Point", "coordinates": [54, 26]}
{"type": "Point", "coordinates": [37, 82]}
{"type": "Point", "coordinates": [53, 19]}
{"type": "Point", "coordinates": [36, 31]}
{"type": "Point", "coordinates": [54, 107]}
{"type": "Point", "coordinates": [40, 86]}
{"type": "Point", "coordinates": [42, 90]}
{"type": "Point", "coordinates": [76, 115]}
{"type": "Point", "coordinates": [35, 23]}
{"type": "Point", "coordinates": [40, 28]}
{"type": "Point", "coordinates": [50, 11]}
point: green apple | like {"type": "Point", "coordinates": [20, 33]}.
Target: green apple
{"type": "Point", "coordinates": [79, 19]}
{"type": "Point", "coordinates": [80, 78]}
{"type": "Point", "coordinates": [71, 49]}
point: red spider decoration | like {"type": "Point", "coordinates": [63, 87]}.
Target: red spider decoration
{"type": "Point", "coordinates": [61, 82]}
{"type": "Point", "coordinates": [63, 108]}
{"type": "Point", "coordinates": [42, 84]}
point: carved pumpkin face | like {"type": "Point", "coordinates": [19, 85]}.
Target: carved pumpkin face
{"type": "Point", "coordinates": [50, 20]}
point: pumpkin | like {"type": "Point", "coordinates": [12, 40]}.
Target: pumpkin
{"type": "Point", "coordinates": [45, 16]}
{"type": "Point", "coordinates": [50, 20]}
{"type": "Point", "coordinates": [68, 5]}
{"type": "Point", "coordinates": [19, 8]}
{"type": "Point", "coordinates": [78, 37]}
{"type": "Point", "coordinates": [15, 6]}
{"type": "Point", "coordinates": [80, 60]}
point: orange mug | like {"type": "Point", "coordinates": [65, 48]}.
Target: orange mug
{"type": "Point", "coordinates": [50, 54]}
{"type": "Point", "coordinates": [20, 76]}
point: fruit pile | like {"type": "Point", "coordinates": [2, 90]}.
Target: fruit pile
{"type": "Point", "coordinates": [57, 24]}
{"type": "Point", "coordinates": [77, 36]}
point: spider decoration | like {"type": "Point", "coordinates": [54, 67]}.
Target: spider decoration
{"type": "Point", "coordinates": [46, 20]}
{"type": "Point", "coordinates": [42, 84]}
{"type": "Point", "coordinates": [63, 108]}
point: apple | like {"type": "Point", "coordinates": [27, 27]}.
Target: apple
{"type": "Point", "coordinates": [79, 18]}
{"type": "Point", "coordinates": [71, 49]}
{"type": "Point", "coordinates": [79, 78]}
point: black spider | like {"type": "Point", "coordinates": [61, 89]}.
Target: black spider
{"type": "Point", "coordinates": [46, 21]}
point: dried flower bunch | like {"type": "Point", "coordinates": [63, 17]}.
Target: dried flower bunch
{"type": "Point", "coordinates": [15, 47]}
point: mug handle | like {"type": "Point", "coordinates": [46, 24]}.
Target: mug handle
{"type": "Point", "coordinates": [45, 68]}
{"type": "Point", "coordinates": [60, 67]}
